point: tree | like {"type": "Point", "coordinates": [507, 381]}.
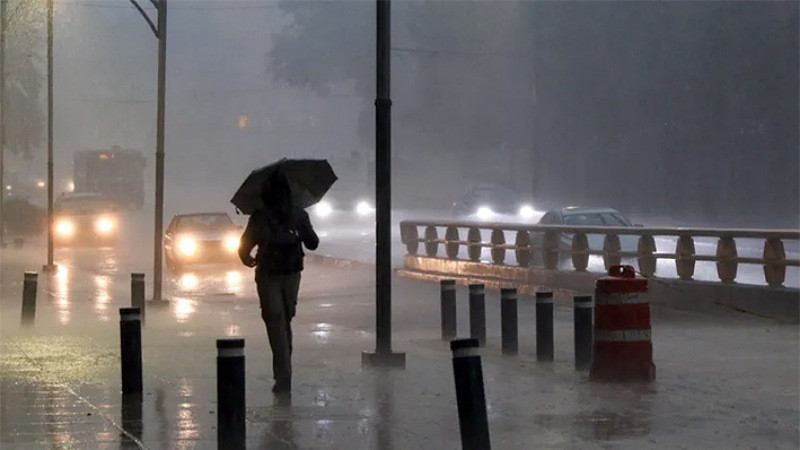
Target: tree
{"type": "Point", "coordinates": [23, 80]}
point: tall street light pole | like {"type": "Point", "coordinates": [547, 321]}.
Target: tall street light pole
{"type": "Point", "coordinates": [50, 266]}
{"type": "Point", "coordinates": [160, 31]}
{"type": "Point", "coordinates": [383, 355]}
{"type": "Point", "coordinates": [2, 121]}
{"type": "Point", "coordinates": [160, 117]}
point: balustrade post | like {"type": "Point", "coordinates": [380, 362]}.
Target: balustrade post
{"type": "Point", "coordinates": [410, 237]}
{"type": "Point", "coordinates": [474, 237]}
{"type": "Point", "coordinates": [726, 259]}
{"type": "Point", "coordinates": [611, 249]}
{"type": "Point", "coordinates": [774, 267]}
{"type": "Point", "coordinates": [523, 251]}
{"type": "Point", "coordinates": [551, 253]}
{"type": "Point", "coordinates": [684, 263]}
{"type": "Point", "coordinates": [431, 246]}
{"type": "Point", "coordinates": [498, 253]}
{"type": "Point", "coordinates": [580, 252]}
{"type": "Point", "coordinates": [647, 261]}
{"type": "Point", "coordinates": [451, 247]}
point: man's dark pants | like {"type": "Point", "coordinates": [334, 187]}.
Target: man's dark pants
{"type": "Point", "coordinates": [278, 297]}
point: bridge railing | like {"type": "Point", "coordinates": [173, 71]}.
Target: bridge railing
{"type": "Point", "coordinates": [547, 245]}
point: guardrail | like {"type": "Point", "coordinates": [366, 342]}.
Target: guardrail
{"type": "Point", "coordinates": [546, 245]}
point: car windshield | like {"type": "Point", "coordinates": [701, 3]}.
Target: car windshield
{"type": "Point", "coordinates": [596, 220]}
{"type": "Point", "coordinates": [89, 204]}
{"type": "Point", "coordinates": [204, 221]}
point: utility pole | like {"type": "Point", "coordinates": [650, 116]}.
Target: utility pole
{"type": "Point", "coordinates": [3, 25]}
{"type": "Point", "coordinates": [50, 266]}
{"type": "Point", "coordinates": [383, 355]}
{"type": "Point", "coordinates": [160, 31]}
{"type": "Point", "coordinates": [158, 246]}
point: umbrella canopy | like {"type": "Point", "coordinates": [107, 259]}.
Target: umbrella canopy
{"type": "Point", "coordinates": [308, 179]}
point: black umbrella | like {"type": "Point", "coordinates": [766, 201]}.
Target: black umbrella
{"type": "Point", "coordinates": [309, 180]}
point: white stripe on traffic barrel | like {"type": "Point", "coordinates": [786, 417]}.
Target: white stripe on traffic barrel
{"type": "Point", "coordinates": [622, 299]}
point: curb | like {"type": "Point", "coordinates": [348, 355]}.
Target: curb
{"type": "Point", "coordinates": [336, 262]}
{"type": "Point", "coordinates": [494, 284]}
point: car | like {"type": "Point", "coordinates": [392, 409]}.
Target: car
{"type": "Point", "coordinates": [345, 204]}
{"type": "Point", "coordinates": [591, 217]}
{"type": "Point", "coordinates": [486, 201]}
{"type": "Point", "coordinates": [201, 238]}
{"type": "Point", "coordinates": [84, 219]}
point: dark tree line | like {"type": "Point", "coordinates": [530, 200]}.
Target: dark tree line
{"type": "Point", "coordinates": [673, 108]}
{"type": "Point", "coordinates": [23, 77]}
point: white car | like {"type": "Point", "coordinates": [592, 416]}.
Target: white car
{"type": "Point", "coordinates": [201, 238]}
{"type": "Point", "coordinates": [591, 217]}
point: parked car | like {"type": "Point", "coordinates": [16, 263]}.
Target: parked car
{"type": "Point", "coordinates": [84, 219]}
{"type": "Point", "coordinates": [591, 217]}
{"type": "Point", "coordinates": [201, 238]}
{"type": "Point", "coordinates": [486, 201]}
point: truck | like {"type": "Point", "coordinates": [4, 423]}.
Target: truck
{"type": "Point", "coordinates": [114, 172]}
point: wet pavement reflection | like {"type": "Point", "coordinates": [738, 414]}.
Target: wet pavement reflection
{"type": "Point", "coordinates": [60, 380]}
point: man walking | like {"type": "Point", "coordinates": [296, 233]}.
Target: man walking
{"type": "Point", "coordinates": [278, 230]}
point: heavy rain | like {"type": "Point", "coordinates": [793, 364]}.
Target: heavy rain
{"type": "Point", "coordinates": [604, 195]}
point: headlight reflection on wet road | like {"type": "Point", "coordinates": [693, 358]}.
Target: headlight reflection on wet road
{"type": "Point", "coordinates": [188, 282]}
{"type": "Point", "coordinates": [233, 281]}
{"type": "Point", "coordinates": [184, 308]}
{"type": "Point", "coordinates": [62, 293]}
{"type": "Point", "coordinates": [102, 297]}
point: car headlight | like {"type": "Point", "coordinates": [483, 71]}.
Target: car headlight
{"type": "Point", "coordinates": [65, 228]}
{"type": "Point", "coordinates": [527, 211]}
{"type": "Point", "coordinates": [484, 212]}
{"type": "Point", "coordinates": [323, 209]}
{"type": "Point", "coordinates": [231, 243]}
{"type": "Point", "coordinates": [104, 225]}
{"type": "Point", "coordinates": [187, 246]}
{"type": "Point", "coordinates": [363, 208]}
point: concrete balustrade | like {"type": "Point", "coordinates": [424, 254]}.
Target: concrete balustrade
{"type": "Point", "coordinates": [543, 246]}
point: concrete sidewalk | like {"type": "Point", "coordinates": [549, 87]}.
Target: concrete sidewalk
{"type": "Point", "coordinates": [724, 380]}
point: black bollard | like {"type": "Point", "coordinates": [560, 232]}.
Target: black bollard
{"type": "Point", "coordinates": [137, 293]}
{"type": "Point", "coordinates": [29, 298]}
{"type": "Point", "coordinates": [130, 336]}
{"type": "Point", "coordinates": [448, 309]}
{"type": "Point", "coordinates": [131, 417]}
{"type": "Point", "coordinates": [230, 394]}
{"type": "Point", "coordinates": [470, 397]}
{"type": "Point", "coordinates": [508, 321]}
{"type": "Point", "coordinates": [583, 331]}
{"type": "Point", "coordinates": [477, 313]}
{"type": "Point", "coordinates": [544, 326]}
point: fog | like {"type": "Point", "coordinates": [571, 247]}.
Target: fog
{"type": "Point", "coordinates": [661, 110]}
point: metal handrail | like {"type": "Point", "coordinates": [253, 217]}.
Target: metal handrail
{"type": "Point", "coordinates": [546, 241]}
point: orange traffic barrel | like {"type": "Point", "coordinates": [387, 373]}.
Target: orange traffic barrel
{"type": "Point", "coordinates": [623, 350]}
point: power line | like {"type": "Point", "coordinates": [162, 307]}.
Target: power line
{"type": "Point", "coordinates": [453, 52]}
{"type": "Point", "coordinates": [100, 4]}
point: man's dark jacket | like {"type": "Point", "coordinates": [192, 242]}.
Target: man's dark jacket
{"type": "Point", "coordinates": [280, 236]}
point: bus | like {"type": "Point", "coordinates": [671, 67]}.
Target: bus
{"type": "Point", "coordinates": [115, 173]}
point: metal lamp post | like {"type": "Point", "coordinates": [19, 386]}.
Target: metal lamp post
{"type": "Point", "coordinates": [383, 355]}
{"type": "Point", "coordinates": [160, 31]}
